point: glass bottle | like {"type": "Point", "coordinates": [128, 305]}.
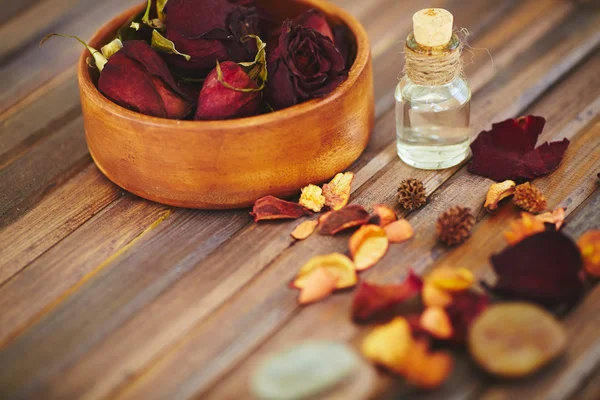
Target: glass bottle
{"type": "Point", "coordinates": [432, 122]}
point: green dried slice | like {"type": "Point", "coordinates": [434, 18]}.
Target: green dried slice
{"type": "Point", "coordinates": [304, 371]}
{"type": "Point", "coordinates": [513, 340]}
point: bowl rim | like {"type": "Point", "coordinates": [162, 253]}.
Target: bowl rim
{"type": "Point", "coordinates": [362, 59]}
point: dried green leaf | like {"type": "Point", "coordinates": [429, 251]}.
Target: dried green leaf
{"type": "Point", "coordinates": [156, 23]}
{"type": "Point", "coordinates": [111, 48]}
{"type": "Point", "coordinates": [161, 43]}
{"type": "Point", "coordinates": [160, 9]}
{"type": "Point", "coordinates": [257, 69]}
{"type": "Point", "coordinates": [99, 58]}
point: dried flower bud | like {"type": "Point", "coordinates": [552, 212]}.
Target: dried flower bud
{"type": "Point", "coordinates": [411, 194]}
{"type": "Point", "coordinates": [454, 225]}
{"type": "Point", "coordinates": [497, 192]}
{"type": "Point", "coordinates": [529, 198]}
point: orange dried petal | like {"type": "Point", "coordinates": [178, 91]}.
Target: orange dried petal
{"type": "Point", "coordinates": [387, 345]}
{"type": "Point", "coordinates": [433, 296]}
{"type": "Point", "coordinates": [304, 230]}
{"type": "Point", "coordinates": [452, 279]}
{"type": "Point", "coordinates": [436, 321]}
{"type": "Point", "coordinates": [525, 226]}
{"type": "Point", "coordinates": [337, 192]}
{"type": "Point", "coordinates": [312, 198]}
{"type": "Point", "coordinates": [399, 231]}
{"type": "Point", "coordinates": [589, 246]}
{"type": "Point", "coordinates": [337, 264]}
{"type": "Point", "coordinates": [367, 246]}
{"type": "Point", "coordinates": [384, 215]}
{"type": "Point", "coordinates": [497, 192]}
{"type": "Point", "coordinates": [318, 285]}
{"type": "Point", "coordinates": [270, 207]}
{"type": "Point", "coordinates": [425, 369]}
{"type": "Point", "coordinates": [556, 217]}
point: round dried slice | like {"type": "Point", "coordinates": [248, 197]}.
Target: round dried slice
{"type": "Point", "coordinates": [515, 339]}
{"type": "Point", "coordinates": [337, 264]}
{"type": "Point", "coordinates": [367, 246]}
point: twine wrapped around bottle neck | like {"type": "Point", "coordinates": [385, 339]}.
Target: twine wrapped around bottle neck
{"type": "Point", "coordinates": [433, 68]}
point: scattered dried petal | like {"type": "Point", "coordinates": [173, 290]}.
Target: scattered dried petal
{"type": "Point", "coordinates": [348, 217]}
{"type": "Point", "coordinates": [367, 246]}
{"type": "Point", "coordinates": [388, 345]}
{"type": "Point", "coordinates": [337, 192]}
{"type": "Point", "coordinates": [318, 285]}
{"type": "Point", "coordinates": [433, 296]}
{"type": "Point", "coordinates": [507, 151]}
{"type": "Point", "coordinates": [304, 230]}
{"type": "Point", "coordinates": [411, 194]}
{"type": "Point", "coordinates": [423, 368]}
{"type": "Point", "coordinates": [529, 198]}
{"type": "Point", "coordinates": [545, 267]}
{"type": "Point", "coordinates": [399, 231]}
{"type": "Point", "coordinates": [384, 215]}
{"type": "Point", "coordinates": [312, 198]}
{"type": "Point", "coordinates": [515, 339]}
{"type": "Point", "coordinates": [465, 307]}
{"type": "Point", "coordinates": [435, 321]}
{"type": "Point", "coordinates": [589, 245]}
{"type": "Point", "coordinates": [269, 207]}
{"type": "Point", "coordinates": [527, 225]}
{"type": "Point", "coordinates": [451, 279]}
{"type": "Point", "coordinates": [454, 225]}
{"type": "Point", "coordinates": [556, 217]}
{"type": "Point", "coordinates": [337, 264]}
{"type": "Point", "coordinates": [497, 192]}
{"type": "Point", "coordinates": [379, 301]}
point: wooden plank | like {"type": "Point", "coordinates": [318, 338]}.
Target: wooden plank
{"type": "Point", "coordinates": [241, 313]}
{"type": "Point", "coordinates": [13, 8]}
{"type": "Point", "coordinates": [591, 388]}
{"type": "Point", "coordinates": [66, 266]}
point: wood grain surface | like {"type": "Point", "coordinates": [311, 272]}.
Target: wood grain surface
{"type": "Point", "coordinates": [106, 295]}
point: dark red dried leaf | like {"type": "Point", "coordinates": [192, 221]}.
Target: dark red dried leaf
{"type": "Point", "coordinates": [218, 102]}
{"type": "Point", "coordinates": [270, 207]}
{"type": "Point", "coordinates": [465, 307]}
{"type": "Point", "coordinates": [345, 218]}
{"type": "Point", "coordinates": [316, 20]}
{"type": "Point", "coordinates": [380, 301]}
{"type": "Point", "coordinates": [136, 77]}
{"type": "Point", "coordinates": [546, 267]}
{"type": "Point", "coordinates": [507, 151]}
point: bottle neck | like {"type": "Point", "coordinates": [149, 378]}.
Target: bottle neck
{"type": "Point", "coordinates": [433, 66]}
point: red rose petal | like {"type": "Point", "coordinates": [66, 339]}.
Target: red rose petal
{"type": "Point", "coordinates": [546, 267]}
{"type": "Point", "coordinates": [465, 307]}
{"type": "Point", "coordinates": [376, 301]}
{"type": "Point", "coordinates": [507, 151]}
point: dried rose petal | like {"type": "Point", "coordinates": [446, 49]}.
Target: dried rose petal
{"type": "Point", "coordinates": [462, 312]}
{"type": "Point", "coordinates": [556, 217]}
{"type": "Point", "coordinates": [383, 215]}
{"type": "Point", "coordinates": [497, 192]}
{"type": "Point", "coordinates": [337, 192]}
{"type": "Point", "coordinates": [318, 285]}
{"type": "Point", "coordinates": [367, 246]}
{"type": "Point", "coordinates": [399, 231]}
{"type": "Point", "coordinates": [387, 345]}
{"type": "Point", "coordinates": [337, 264]}
{"type": "Point", "coordinates": [269, 207]}
{"type": "Point", "coordinates": [589, 245]}
{"type": "Point", "coordinates": [423, 368]}
{"type": "Point", "coordinates": [435, 321]}
{"type": "Point", "coordinates": [315, 19]}
{"type": "Point", "coordinates": [348, 217]}
{"type": "Point", "coordinates": [312, 198]}
{"type": "Point", "coordinates": [433, 296]}
{"type": "Point", "coordinates": [304, 230]}
{"type": "Point", "coordinates": [507, 151]}
{"type": "Point", "coordinates": [374, 301]}
{"type": "Point", "coordinates": [451, 279]}
{"type": "Point", "coordinates": [545, 267]}
{"type": "Point", "coordinates": [525, 226]}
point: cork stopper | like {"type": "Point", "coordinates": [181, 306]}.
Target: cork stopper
{"type": "Point", "coordinates": [432, 27]}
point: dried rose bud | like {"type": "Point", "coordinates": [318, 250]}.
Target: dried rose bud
{"type": "Point", "coordinates": [209, 31]}
{"type": "Point", "coordinates": [303, 64]}
{"type": "Point", "coordinates": [137, 78]}
{"type": "Point", "coordinates": [316, 20]}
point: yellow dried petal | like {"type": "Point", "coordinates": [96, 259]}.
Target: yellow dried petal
{"type": "Point", "coordinates": [497, 192]}
{"type": "Point", "coordinates": [387, 345]}
{"type": "Point", "coordinates": [304, 230]}
{"type": "Point", "coordinates": [436, 321]}
{"type": "Point", "coordinates": [525, 226]}
{"type": "Point", "coordinates": [452, 279]}
{"type": "Point", "coordinates": [367, 246]}
{"type": "Point", "coordinates": [337, 264]}
{"type": "Point", "coordinates": [589, 245]}
{"type": "Point", "coordinates": [319, 285]}
{"type": "Point", "coordinates": [399, 231]}
{"type": "Point", "coordinates": [337, 192]}
{"type": "Point", "coordinates": [312, 198]}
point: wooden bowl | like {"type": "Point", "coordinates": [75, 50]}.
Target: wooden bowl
{"type": "Point", "coordinates": [230, 164]}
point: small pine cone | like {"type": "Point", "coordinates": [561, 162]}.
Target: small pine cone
{"type": "Point", "coordinates": [454, 225]}
{"type": "Point", "coordinates": [529, 198]}
{"type": "Point", "coordinates": [411, 194]}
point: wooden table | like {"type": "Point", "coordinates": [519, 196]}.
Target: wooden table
{"type": "Point", "coordinates": [106, 295]}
